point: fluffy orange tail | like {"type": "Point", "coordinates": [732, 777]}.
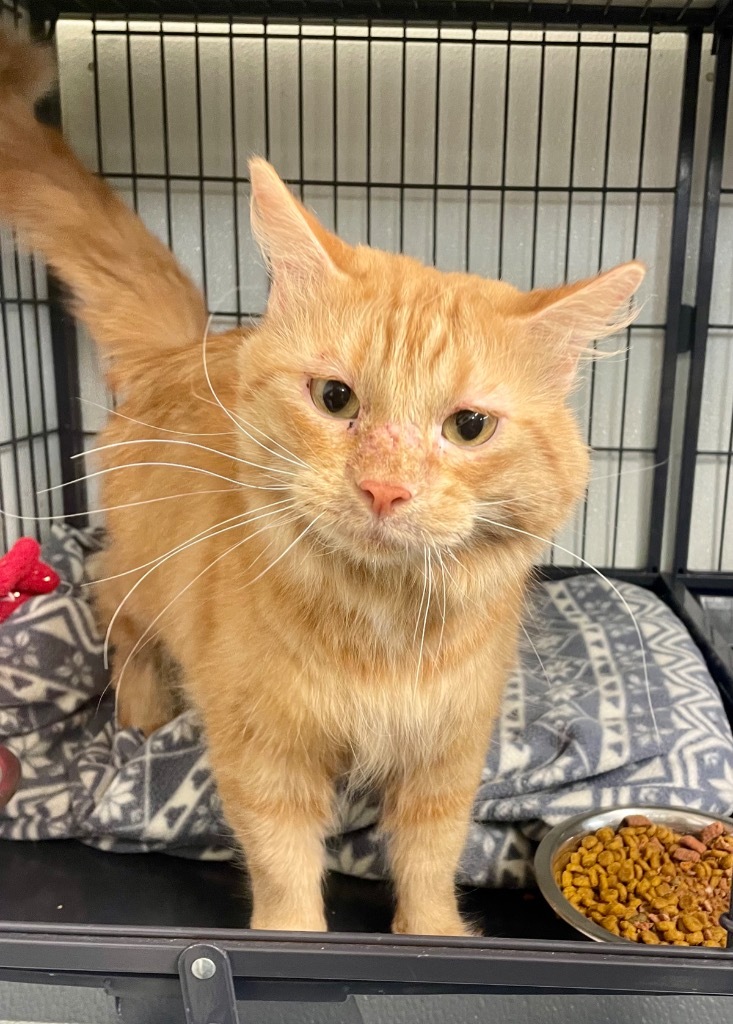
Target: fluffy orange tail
{"type": "Point", "coordinates": [126, 285]}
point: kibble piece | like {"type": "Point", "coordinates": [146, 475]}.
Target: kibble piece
{"type": "Point", "coordinates": [693, 844]}
{"type": "Point", "coordinates": [711, 832]}
{"type": "Point", "coordinates": [636, 821]}
{"type": "Point", "coordinates": [683, 854]}
{"type": "Point", "coordinates": [661, 902]}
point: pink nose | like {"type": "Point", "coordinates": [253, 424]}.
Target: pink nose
{"type": "Point", "coordinates": [384, 497]}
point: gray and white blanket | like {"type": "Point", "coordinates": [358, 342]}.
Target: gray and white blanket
{"type": "Point", "coordinates": [583, 726]}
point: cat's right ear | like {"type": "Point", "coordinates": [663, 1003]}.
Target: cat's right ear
{"type": "Point", "coordinates": [299, 251]}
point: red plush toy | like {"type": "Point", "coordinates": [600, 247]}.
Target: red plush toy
{"type": "Point", "coordinates": [23, 575]}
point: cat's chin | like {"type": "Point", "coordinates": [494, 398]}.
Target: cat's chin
{"type": "Point", "coordinates": [381, 542]}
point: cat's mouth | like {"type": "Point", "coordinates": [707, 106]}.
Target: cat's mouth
{"type": "Point", "coordinates": [390, 539]}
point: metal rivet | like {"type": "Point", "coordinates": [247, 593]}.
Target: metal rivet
{"type": "Point", "coordinates": [203, 968]}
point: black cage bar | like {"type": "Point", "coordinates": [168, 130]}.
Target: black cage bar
{"type": "Point", "coordinates": [679, 15]}
{"type": "Point", "coordinates": [705, 502]}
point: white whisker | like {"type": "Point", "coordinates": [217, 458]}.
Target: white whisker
{"type": "Point", "coordinates": [173, 465]}
{"type": "Point", "coordinates": [424, 588]}
{"type": "Point", "coordinates": [425, 617]}
{"type": "Point", "coordinates": [593, 479]}
{"type": "Point", "coordinates": [184, 544]}
{"type": "Point", "coordinates": [536, 653]}
{"type": "Point", "coordinates": [269, 526]}
{"type": "Point", "coordinates": [616, 591]}
{"type": "Point", "coordinates": [153, 426]}
{"type": "Point", "coordinates": [112, 508]}
{"type": "Point", "coordinates": [204, 536]}
{"type": "Point", "coordinates": [180, 594]}
{"type": "Point", "coordinates": [445, 601]}
{"type": "Point", "coordinates": [287, 549]}
{"type": "Point", "coordinates": [235, 420]}
{"type": "Point", "coordinates": [187, 444]}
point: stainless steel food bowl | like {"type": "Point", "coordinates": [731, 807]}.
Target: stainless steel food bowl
{"type": "Point", "coordinates": [555, 849]}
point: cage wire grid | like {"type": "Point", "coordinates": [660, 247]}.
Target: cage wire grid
{"type": "Point", "coordinates": [535, 155]}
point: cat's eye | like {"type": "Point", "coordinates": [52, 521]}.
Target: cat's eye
{"type": "Point", "coordinates": [334, 397]}
{"type": "Point", "coordinates": [469, 428]}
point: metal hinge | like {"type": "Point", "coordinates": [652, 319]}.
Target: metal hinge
{"type": "Point", "coordinates": [207, 985]}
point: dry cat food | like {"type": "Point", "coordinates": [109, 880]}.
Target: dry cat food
{"type": "Point", "coordinates": [650, 884]}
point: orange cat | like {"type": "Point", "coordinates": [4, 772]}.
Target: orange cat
{"type": "Point", "coordinates": [351, 494]}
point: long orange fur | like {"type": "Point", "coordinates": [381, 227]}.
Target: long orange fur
{"type": "Point", "coordinates": [316, 641]}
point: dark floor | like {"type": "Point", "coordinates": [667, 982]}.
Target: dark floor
{"type": "Point", "coordinates": [66, 882]}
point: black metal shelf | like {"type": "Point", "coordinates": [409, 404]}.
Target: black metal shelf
{"type": "Point", "coordinates": [466, 12]}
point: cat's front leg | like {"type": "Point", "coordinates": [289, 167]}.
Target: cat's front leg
{"type": "Point", "coordinates": [426, 816]}
{"type": "Point", "coordinates": [280, 805]}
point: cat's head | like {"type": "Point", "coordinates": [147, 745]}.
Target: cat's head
{"type": "Point", "coordinates": [414, 405]}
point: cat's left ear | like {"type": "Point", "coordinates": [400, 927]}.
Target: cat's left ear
{"type": "Point", "coordinates": [570, 317]}
{"type": "Point", "coordinates": [298, 249]}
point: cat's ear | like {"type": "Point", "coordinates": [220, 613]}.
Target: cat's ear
{"type": "Point", "coordinates": [567, 319]}
{"type": "Point", "coordinates": [299, 251]}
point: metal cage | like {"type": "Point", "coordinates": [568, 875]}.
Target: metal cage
{"type": "Point", "coordinates": [533, 154]}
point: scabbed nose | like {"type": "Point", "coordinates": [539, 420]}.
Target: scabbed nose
{"type": "Point", "coordinates": [384, 497]}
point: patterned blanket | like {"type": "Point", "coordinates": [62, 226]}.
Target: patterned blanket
{"type": "Point", "coordinates": [583, 726]}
